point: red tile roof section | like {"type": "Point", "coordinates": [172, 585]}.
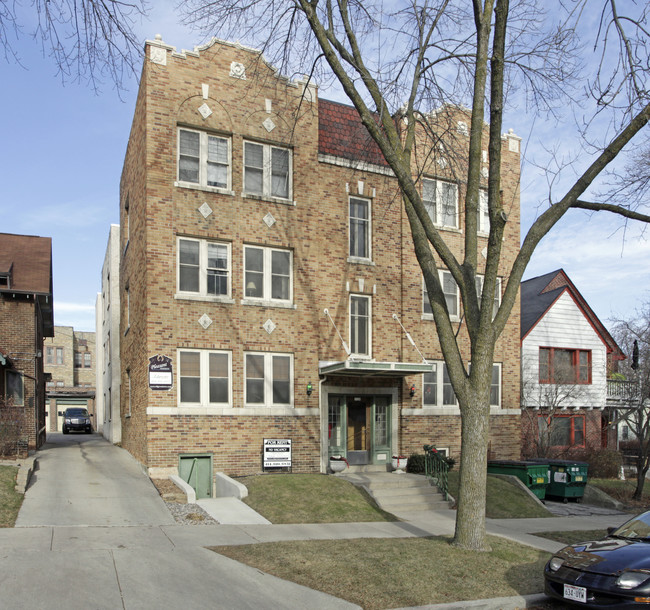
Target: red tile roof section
{"type": "Point", "coordinates": [31, 258]}
{"type": "Point", "coordinates": [342, 134]}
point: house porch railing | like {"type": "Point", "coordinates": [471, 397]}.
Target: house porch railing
{"type": "Point", "coordinates": [620, 390]}
{"type": "Point", "coordinates": [436, 469]}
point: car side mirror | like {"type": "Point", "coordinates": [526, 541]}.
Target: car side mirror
{"type": "Point", "coordinates": [611, 530]}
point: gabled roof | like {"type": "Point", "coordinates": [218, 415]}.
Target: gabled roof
{"type": "Point", "coordinates": [538, 295]}
{"type": "Point", "coordinates": [342, 134]}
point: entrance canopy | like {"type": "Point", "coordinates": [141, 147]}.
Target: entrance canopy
{"type": "Point", "coordinates": [364, 368]}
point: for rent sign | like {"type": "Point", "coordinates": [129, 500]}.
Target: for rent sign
{"type": "Point", "coordinates": [277, 453]}
{"type": "Point", "coordinates": [160, 373]}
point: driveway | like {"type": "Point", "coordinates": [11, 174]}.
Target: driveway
{"type": "Point", "coordinates": [82, 479]}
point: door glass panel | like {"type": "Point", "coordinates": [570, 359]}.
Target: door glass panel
{"type": "Point", "coordinates": [336, 440]}
{"type": "Point", "coordinates": [381, 422]}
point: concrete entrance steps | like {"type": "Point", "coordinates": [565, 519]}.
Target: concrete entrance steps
{"type": "Point", "coordinates": [401, 492]}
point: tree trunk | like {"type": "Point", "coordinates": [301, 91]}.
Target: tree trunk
{"type": "Point", "coordinates": [470, 518]}
{"type": "Point", "coordinates": [641, 471]}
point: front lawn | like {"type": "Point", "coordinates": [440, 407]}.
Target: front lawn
{"type": "Point", "coordinates": [10, 501]}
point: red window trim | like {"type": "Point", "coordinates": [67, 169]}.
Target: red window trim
{"type": "Point", "coordinates": [575, 358]}
{"type": "Point", "coordinates": [572, 432]}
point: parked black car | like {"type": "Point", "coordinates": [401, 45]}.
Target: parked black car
{"type": "Point", "coordinates": [77, 418]}
{"type": "Point", "coordinates": [610, 573]}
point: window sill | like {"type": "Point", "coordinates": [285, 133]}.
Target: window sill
{"type": "Point", "coordinates": [356, 260]}
{"type": "Point", "coordinates": [429, 317]}
{"type": "Point", "coordinates": [268, 198]}
{"type": "Point", "coordinates": [204, 298]}
{"type": "Point", "coordinates": [262, 303]}
{"type": "Point", "coordinates": [447, 228]}
{"type": "Point", "coordinates": [205, 189]}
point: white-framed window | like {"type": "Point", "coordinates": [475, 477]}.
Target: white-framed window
{"type": "Point", "coordinates": [440, 198]}
{"type": "Point", "coordinates": [497, 293]}
{"type": "Point", "coordinates": [59, 355]}
{"type": "Point", "coordinates": [360, 325]}
{"type": "Point", "coordinates": [203, 267]}
{"type": "Point", "coordinates": [267, 170]}
{"type": "Point", "coordinates": [360, 235]}
{"type": "Point", "coordinates": [15, 390]}
{"type": "Point", "coordinates": [49, 355]}
{"type": "Point", "coordinates": [452, 297]}
{"type": "Point", "coordinates": [204, 377]}
{"type": "Point", "coordinates": [268, 274]}
{"type": "Point", "coordinates": [269, 379]}
{"type": "Point", "coordinates": [203, 159]}
{"type": "Point", "coordinates": [438, 391]}
{"type": "Point", "coordinates": [483, 212]}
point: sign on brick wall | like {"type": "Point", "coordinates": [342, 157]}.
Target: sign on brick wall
{"type": "Point", "coordinates": [277, 453]}
{"type": "Point", "coordinates": [160, 373]}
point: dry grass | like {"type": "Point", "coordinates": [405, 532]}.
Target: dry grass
{"type": "Point", "coordinates": [10, 501]}
{"type": "Point", "coordinates": [310, 498]}
{"type": "Point", "coordinates": [622, 491]}
{"type": "Point", "coordinates": [169, 491]}
{"type": "Point", "coordinates": [391, 573]}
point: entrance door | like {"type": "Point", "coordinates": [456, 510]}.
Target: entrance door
{"type": "Point", "coordinates": [358, 431]}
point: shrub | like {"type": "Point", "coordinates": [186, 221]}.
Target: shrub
{"type": "Point", "coordinates": [415, 463]}
{"type": "Point", "coordinates": [603, 463]}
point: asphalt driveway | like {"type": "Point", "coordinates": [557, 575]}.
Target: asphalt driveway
{"type": "Point", "coordinates": [82, 479]}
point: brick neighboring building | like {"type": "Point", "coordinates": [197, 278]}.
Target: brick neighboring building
{"type": "Point", "coordinates": [262, 237]}
{"type": "Point", "coordinates": [26, 318]}
{"type": "Point", "coordinates": [70, 357]}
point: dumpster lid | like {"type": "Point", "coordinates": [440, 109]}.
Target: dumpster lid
{"type": "Point", "coordinates": [559, 462]}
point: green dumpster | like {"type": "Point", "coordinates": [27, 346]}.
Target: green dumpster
{"type": "Point", "coordinates": [567, 478]}
{"type": "Point", "coordinates": [532, 474]}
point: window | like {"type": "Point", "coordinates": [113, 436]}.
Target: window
{"type": "Point", "coordinates": [497, 294]}
{"type": "Point", "coordinates": [450, 290]}
{"type": "Point", "coordinates": [14, 387]}
{"type": "Point", "coordinates": [77, 360]}
{"type": "Point", "coordinates": [359, 228]}
{"type": "Point", "coordinates": [437, 389]}
{"type": "Point", "coordinates": [564, 365]}
{"type": "Point", "coordinates": [127, 299]}
{"type": "Point", "coordinates": [267, 170]}
{"type": "Point", "coordinates": [59, 355]}
{"type": "Point", "coordinates": [562, 430]}
{"type": "Point", "coordinates": [203, 159]}
{"type": "Point", "coordinates": [269, 379]}
{"type": "Point", "coordinates": [268, 274]}
{"type": "Point", "coordinates": [49, 355]}
{"type": "Point", "coordinates": [483, 212]}
{"type": "Point", "coordinates": [203, 267]}
{"type": "Point", "coordinates": [204, 377]}
{"type": "Point", "coordinates": [87, 360]}
{"type": "Point", "coordinates": [441, 201]}
{"type": "Point", "coordinates": [360, 336]}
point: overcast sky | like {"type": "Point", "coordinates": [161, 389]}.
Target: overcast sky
{"type": "Point", "coordinates": [62, 154]}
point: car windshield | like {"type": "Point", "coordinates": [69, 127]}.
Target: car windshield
{"type": "Point", "coordinates": [76, 413]}
{"type": "Point", "coordinates": [637, 528]}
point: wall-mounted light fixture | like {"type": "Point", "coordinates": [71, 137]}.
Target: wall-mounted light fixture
{"type": "Point", "coordinates": [310, 389]}
{"type": "Point", "coordinates": [412, 391]}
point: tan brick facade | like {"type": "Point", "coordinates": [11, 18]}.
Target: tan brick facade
{"type": "Point", "coordinates": [159, 319]}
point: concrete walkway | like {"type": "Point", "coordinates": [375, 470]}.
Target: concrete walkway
{"type": "Point", "coordinates": [91, 537]}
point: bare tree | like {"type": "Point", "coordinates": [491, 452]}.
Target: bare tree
{"type": "Point", "coordinates": [88, 40]}
{"type": "Point", "coordinates": [398, 61]}
{"type": "Point", "coordinates": [634, 337]}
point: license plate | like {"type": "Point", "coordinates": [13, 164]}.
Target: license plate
{"type": "Point", "coordinates": [578, 478]}
{"type": "Point", "coordinates": [576, 594]}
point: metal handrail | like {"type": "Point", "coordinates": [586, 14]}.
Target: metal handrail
{"type": "Point", "coordinates": [436, 468]}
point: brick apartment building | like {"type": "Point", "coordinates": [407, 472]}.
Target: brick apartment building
{"type": "Point", "coordinates": [70, 362]}
{"type": "Point", "coordinates": [26, 318]}
{"type": "Point", "coordinates": [268, 278]}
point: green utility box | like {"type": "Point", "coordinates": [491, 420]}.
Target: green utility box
{"type": "Point", "coordinates": [532, 474]}
{"type": "Point", "coordinates": [567, 478]}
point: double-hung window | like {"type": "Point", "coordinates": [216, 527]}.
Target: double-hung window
{"type": "Point", "coordinates": [437, 389]}
{"type": "Point", "coordinates": [360, 228]}
{"type": "Point", "coordinates": [14, 388]}
{"type": "Point", "coordinates": [204, 377]}
{"type": "Point", "coordinates": [450, 290]}
{"type": "Point", "coordinates": [496, 302]}
{"type": "Point", "coordinates": [268, 274]}
{"type": "Point", "coordinates": [203, 159]}
{"type": "Point", "coordinates": [562, 430]}
{"type": "Point", "coordinates": [564, 366]}
{"type": "Point", "coordinates": [269, 379]}
{"type": "Point", "coordinates": [360, 326]}
{"type": "Point", "coordinates": [440, 198]}
{"type": "Point", "coordinates": [59, 355]}
{"type": "Point", "coordinates": [49, 358]}
{"type": "Point", "coordinates": [483, 212]}
{"type": "Point", "coordinates": [267, 170]}
{"type": "Point", "coordinates": [203, 267]}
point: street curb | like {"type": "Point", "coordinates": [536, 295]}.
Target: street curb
{"type": "Point", "coordinates": [25, 471]}
{"type": "Point", "coordinates": [497, 603]}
